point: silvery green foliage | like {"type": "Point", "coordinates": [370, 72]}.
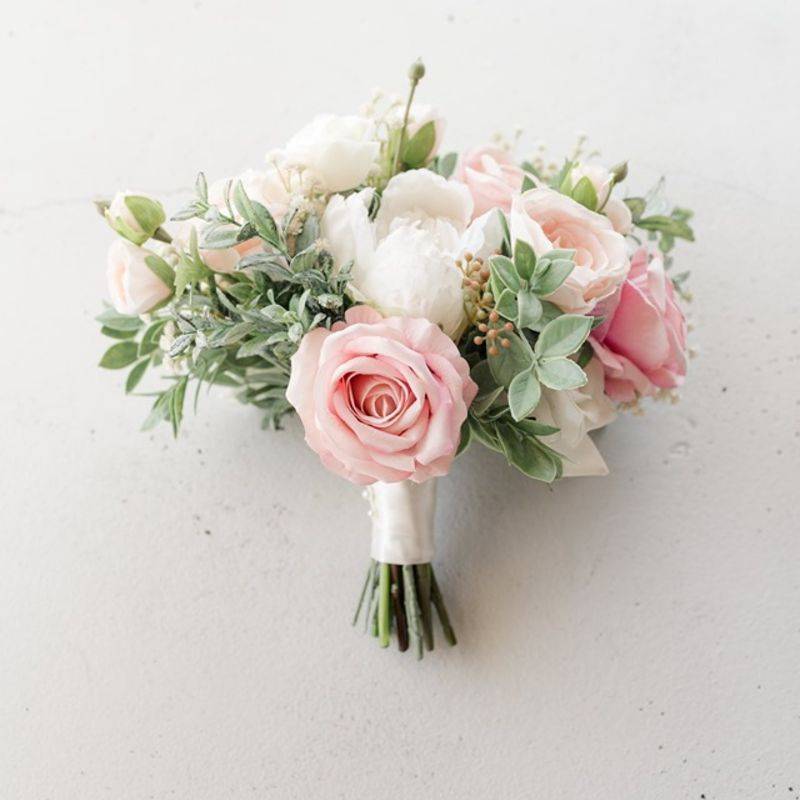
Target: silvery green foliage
{"type": "Point", "coordinates": [238, 329]}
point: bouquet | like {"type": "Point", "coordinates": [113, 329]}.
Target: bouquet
{"type": "Point", "coordinates": [406, 302]}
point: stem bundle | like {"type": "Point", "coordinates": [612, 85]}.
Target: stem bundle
{"type": "Point", "coordinates": [401, 598]}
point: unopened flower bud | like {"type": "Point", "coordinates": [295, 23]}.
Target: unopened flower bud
{"type": "Point", "coordinates": [620, 172]}
{"type": "Point", "coordinates": [135, 216]}
{"type": "Point", "coordinates": [416, 71]}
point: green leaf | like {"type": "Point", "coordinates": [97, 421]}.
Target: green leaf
{"type": "Point", "coordinates": [201, 187]}
{"type": "Point", "coordinates": [119, 355]}
{"type": "Point", "coordinates": [446, 164]}
{"type": "Point", "coordinates": [505, 271]}
{"type": "Point", "coordinates": [178, 392]}
{"type": "Point", "coordinates": [506, 305]}
{"type": "Point", "coordinates": [530, 309]}
{"type": "Point", "coordinates": [161, 269]}
{"type": "Point", "coordinates": [488, 389]}
{"type": "Point", "coordinates": [506, 245]}
{"type": "Point", "coordinates": [585, 194]}
{"type": "Point", "coordinates": [560, 373]}
{"type": "Point", "coordinates": [510, 361]}
{"type": "Point", "coordinates": [220, 236]}
{"type": "Point", "coordinates": [534, 428]}
{"type": "Point", "coordinates": [527, 183]}
{"type": "Point", "coordinates": [150, 337]}
{"type": "Point", "coordinates": [563, 336]}
{"type": "Point", "coordinates": [673, 227]}
{"type": "Point", "coordinates": [466, 437]}
{"type": "Point", "coordinates": [485, 433]}
{"type": "Point", "coordinates": [524, 259]}
{"type": "Point", "coordinates": [636, 205]}
{"type": "Point", "coordinates": [114, 334]}
{"type": "Point", "coordinates": [119, 322]}
{"type": "Point", "coordinates": [257, 215]}
{"type": "Point", "coordinates": [525, 453]}
{"type": "Point", "coordinates": [135, 375]}
{"type": "Point", "coordinates": [523, 394]}
{"type": "Point", "coordinates": [553, 273]}
{"type": "Point", "coordinates": [419, 146]}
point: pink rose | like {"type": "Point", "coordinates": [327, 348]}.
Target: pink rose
{"type": "Point", "coordinates": [547, 220]}
{"type": "Point", "coordinates": [381, 399]}
{"type": "Point", "coordinates": [491, 176]}
{"type": "Point", "coordinates": [642, 343]}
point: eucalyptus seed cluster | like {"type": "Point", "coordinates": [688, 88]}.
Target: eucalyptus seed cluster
{"type": "Point", "coordinates": [479, 305]}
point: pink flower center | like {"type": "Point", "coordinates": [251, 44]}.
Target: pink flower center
{"type": "Point", "coordinates": [376, 399]}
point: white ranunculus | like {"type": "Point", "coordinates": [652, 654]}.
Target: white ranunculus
{"type": "Point", "coordinates": [134, 288]}
{"type": "Point", "coordinates": [340, 152]}
{"type": "Point", "coordinates": [576, 412]}
{"type": "Point", "coordinates": [404, 261]}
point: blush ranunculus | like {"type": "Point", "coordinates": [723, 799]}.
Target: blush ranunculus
{"type": "Point", "coordinates": [491, 176]}
{"type": "Point", "coordinates": [642, 343]}
{"type": "Point", "coordinates": [381, 399]}
{"type": "Point", "coordinates": [547, 219]}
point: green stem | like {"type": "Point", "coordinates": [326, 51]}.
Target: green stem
{"type": "Point", "coordinates": [401, 142]}
{"type": "Point", "coordinates": [438, 602]}
{"type": "Point", "coordinates": [367, 584]}
{"type": "Point", "coordinates": [423, 575]}
{"type": "Point", "coordinates": [384, 616]}
{"type": "Point", "coordinates": [412, 609]}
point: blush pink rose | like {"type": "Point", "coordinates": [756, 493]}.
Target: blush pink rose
{"type": "Point", "coordinates": [381, 399]}
{"type": "Point", "coordinates": [549, 220]}
{"type": "Point", "coordinates": [491, 176]}
{"type": "Point", "coordinates": [642, 343]}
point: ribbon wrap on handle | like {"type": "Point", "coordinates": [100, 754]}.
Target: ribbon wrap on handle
{"type": "Point", "coordinates": [402, 521]}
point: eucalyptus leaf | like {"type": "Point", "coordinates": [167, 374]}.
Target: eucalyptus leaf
{"type": "Point", "coordinates": [220, 236]}
{"type": "Point", "coordinates": [510, 361]}
{"type": "Point", "coordinates": [523, 394]}
{"type": "Point", "coordinates": [668, 225]}
{"type": "Point", "coordinates": [506, 305]}
{"type": "Point", "coordinates": [505, 271]}
{"type": "Point", "coordinates": [560, 373]}
{"type": "Point", "coordinates": [563, 336]}
{"type": "Point", "coordinates": [524, 259]}
{"type": "Point", "coordinates": [552, 275]}
{"type": "Point", "coordinates": [446, 164]}
{"type": "Point", "coordinates": [529, 309]}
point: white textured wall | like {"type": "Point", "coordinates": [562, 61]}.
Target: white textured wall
{"type": "Point", "coordinates": [174, 616]}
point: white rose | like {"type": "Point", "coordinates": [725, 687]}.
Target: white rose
{"type": "Point", "coordinates": [576, 412]}
{"type": "Point", "coordinates": [134, 288]}
{"type": "Point", "coordinates": [404, 261]}
{"type": "Point", "coordinates": [339, 151]}
{"type": "Point", "coordinates": [615, 209]}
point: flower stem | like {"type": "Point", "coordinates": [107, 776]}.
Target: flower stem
{"type": "Point", "coordinates": [423, 575]}
{"type": "Point", "coordinates": [384, 617]}
{"type": "Point", "coordinates": [438, 602]}
{"type": "Point", "coordinates": [412, 609]}
{"type": "Point", "coordinates": [415, 76]}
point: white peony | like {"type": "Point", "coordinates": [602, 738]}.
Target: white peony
{"type": "Point", "coordinates": [576, 412]}
{"type": "Point", "coordinates": [404, 260]}
{"type": "Point", "coordinates": [134, 288]}
{"type": "Point", "coordinates": [339, 152]}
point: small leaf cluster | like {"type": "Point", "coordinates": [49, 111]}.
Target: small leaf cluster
{"type": "Point", "coordinates": [238, 329]}
{"type": "Point", "coordinates": [537, 352]}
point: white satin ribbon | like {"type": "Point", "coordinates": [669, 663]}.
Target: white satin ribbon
{"type": "Point", "coordinates": [402, 521]}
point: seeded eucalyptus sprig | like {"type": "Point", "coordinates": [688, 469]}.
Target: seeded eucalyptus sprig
{"type": "Point", "coordinates": [529, 343]}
